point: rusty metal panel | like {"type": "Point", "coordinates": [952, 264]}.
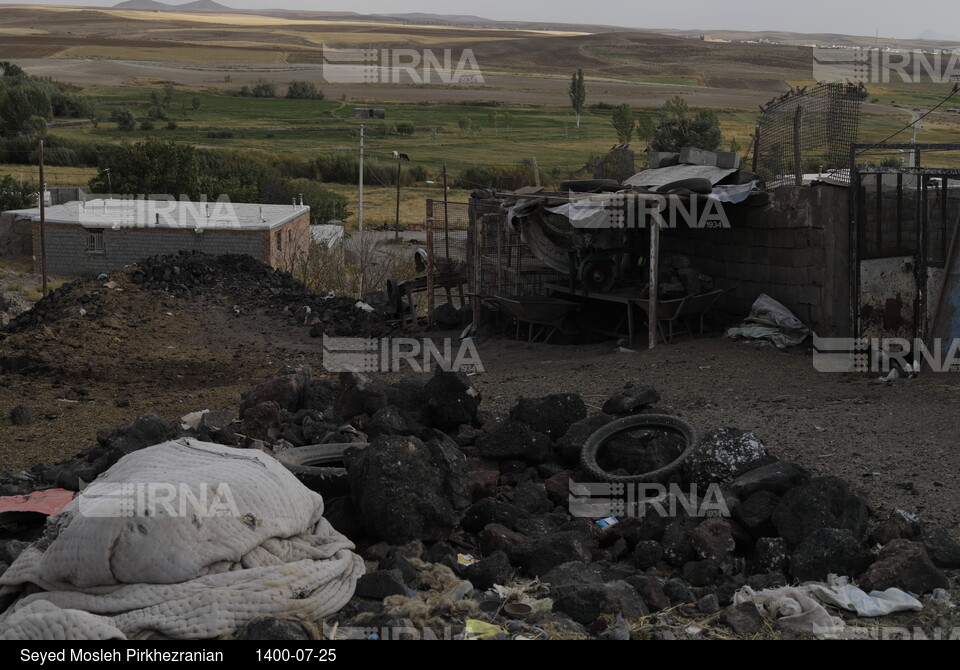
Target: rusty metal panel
{"type": "Point", "coordinates": [888, 293]}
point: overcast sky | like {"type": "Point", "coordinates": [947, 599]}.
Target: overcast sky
{"type": "Point", "coordinates": [851, 17]}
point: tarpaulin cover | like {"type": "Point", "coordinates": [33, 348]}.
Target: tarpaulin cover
{"type": "Point", "coordinates": [235, 537]}
{"type": "Point", "coordinates": [49, 502]}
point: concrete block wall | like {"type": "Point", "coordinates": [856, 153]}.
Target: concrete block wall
{"type": "Point", "coordinates": [67, 254]}
{"type": "Point", "coordinates": [795, 250]}
{"type": "Point", "coordinates": [295, 240]}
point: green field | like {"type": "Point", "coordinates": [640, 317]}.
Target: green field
{"type": "Point", "coordinates": [499, 135]}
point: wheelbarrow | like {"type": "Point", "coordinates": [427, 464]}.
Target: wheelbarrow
{"type": "Point", "coordinates": [546, 313]}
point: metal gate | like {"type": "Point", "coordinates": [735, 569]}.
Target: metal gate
{"type": "Point", "coordinates": [902, 219]}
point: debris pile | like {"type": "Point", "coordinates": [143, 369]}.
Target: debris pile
{"type": "Point", "coordinates": [678, 279]}
{"type": "Point", "coordinates": [12, 305]}
{"type": "Point", "coordinates": [90, 329]}
{"type": "Point", "coordinates": [250, 283]}
{"type": "Point", "coordinates": [491, 526]}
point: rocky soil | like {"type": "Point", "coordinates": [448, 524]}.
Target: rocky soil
{"type": "Point", "coordinates": [819, 471]}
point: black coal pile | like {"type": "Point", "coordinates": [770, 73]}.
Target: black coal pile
{"type": "Point", "coordinates": [249, 284]}
{"type": "Point", "coordinates": [448, 501]}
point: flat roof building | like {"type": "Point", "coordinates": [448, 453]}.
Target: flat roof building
{"type": "Point", "coordinates": [106, 234]}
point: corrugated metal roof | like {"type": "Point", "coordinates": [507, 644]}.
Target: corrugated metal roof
{"type": "Point", "coordinates": [663, 176]}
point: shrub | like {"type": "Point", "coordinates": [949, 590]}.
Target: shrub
{"type": "Point", "coordinates": [304, 90]}
{"type": "Point", "coordinates": [265, 89]}
{"type": "Point", "coordinates": [125, 119]}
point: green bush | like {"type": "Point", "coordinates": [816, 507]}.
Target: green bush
{"type": "Point", "coordinates": [405, 128]}
{"type": "Point", "coordinates": [324, 205]}
{"type": "Point", "coordinates": [16, 195]}
{"type": "Point", "coordinates": [304, 90]}
{"type": "Point", "coordinates": [509, 177]}
{"type": "Point", "coordinates": [265, 89]}
{"type": "Point", "coordinates": [146, 126]}
{"type": "Point", "coordinates": [125, 119]}
{"type": "Point", "coordinates": [344, 169]}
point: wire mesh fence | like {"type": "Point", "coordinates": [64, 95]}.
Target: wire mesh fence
{"type": "Point", "coordinates": [474, 241]}
{"type": "Point", "coordinates": [506, 266]}
{"type": "Point", "coordinates": [450, 230]}
{"type": "Point", "coordinates": [808, 130]}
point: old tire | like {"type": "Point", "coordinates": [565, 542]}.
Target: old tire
{"type": "Point", "coordinates": [691, 184]}
{"type": "Point", "coordinates": [587, 185]}
{"type": "Point", "coordinates": [320, 466]}
{"type": "Point", "coordinates": [593, 445]}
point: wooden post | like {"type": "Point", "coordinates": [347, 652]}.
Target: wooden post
{"type": "Point", "coordinates": [396, 225]}
{"type": "Point", "coordinates": [756, 149]}
{"type": "Point", "coordinates": [43, 223]}
{"type": "Point", "coordinates": [360, 192]}
{"type": "Point", "coordinates": [654, 283]}
{"type": "Point", "coordinates": [431, 267]}
{"type": "Point", "coordinates": [798, 145]}
{"type": "Point", "coordinates": [536, 171]}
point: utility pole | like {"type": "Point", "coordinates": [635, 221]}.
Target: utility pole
{"type": "Point", "coordinates": [913, 140]}
{"type": "Point", "coordinates": [43, 223]}
{"type": "Point", "coordinates": [360, 205]}
{"type": "Point", "coordinates": [396, 232]}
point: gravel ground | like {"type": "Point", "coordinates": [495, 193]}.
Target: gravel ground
{"type": "Point", "coordinates": [896, 443]}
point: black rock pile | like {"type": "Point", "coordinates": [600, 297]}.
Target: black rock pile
{"type": "Point", "coordinates": [250, 283]}
{"type": "Point", "coordinates": [431, 477]}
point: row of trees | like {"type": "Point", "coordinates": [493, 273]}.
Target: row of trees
{"type": "Point", "coordinates": [296, 90]}
{"type": "Point", "coordinates": [28, 103]}
{"type": "Point", "coordinates": [674, 127]}
{"type": "Point", "coordinates": [161, 166]}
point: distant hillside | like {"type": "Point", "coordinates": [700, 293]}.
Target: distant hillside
{"type": "Point", "coordinates": [452, 18]}
{"type": "Point", "coordinates": [196, 6]}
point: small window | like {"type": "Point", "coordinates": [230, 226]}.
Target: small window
{"type": "Point", "coordinates": [279, 237]}
{"type": "Point", "coordinates": [95, 241]}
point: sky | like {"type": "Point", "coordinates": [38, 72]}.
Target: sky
{"type": "Point", "coordinates": [851, 17]}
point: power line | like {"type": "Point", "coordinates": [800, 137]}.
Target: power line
{"type": "Point", "coordinates": [956, 89]}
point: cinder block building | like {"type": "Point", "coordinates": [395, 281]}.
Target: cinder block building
{"type": "Point", "coordinates": [107, 234]}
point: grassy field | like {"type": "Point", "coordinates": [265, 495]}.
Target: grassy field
{"type": "Point", "coordinates": [54, 176]}
{"type": "Point", "coordinates": [380, 203]}
{"type": "Point", "coordinates": [497, 135]}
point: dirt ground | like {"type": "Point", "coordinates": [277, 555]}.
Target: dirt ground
{"type": "Point", "coordinates": [898, 444]}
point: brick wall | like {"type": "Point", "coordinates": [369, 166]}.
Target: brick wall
{"type": "Point", "coordinates": [794, 250]}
